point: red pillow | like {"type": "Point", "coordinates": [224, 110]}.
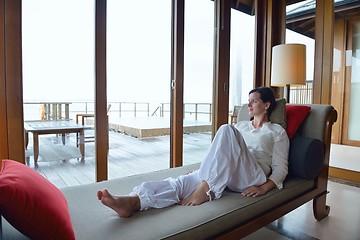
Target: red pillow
{"type": "Point", "coordinates": [295, 115]}
{"type": "Point", "coordinates": [32, 204]}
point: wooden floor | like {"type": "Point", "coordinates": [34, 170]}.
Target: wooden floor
{"type": "Point", "coordinates": [63, 166]}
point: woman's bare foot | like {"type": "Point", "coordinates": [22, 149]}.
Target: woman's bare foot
{"type": "Point", "coordinates": [198, 197]}
{"type": "Point", "coordinates": [125, 206]}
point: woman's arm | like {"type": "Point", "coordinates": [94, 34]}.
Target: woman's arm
{"type": "Point", "coordinates": [279, 168]}
{"type": "Point", "coordinates": [279, 162]}
{"type": "Point", "coordinates": [256, 191]}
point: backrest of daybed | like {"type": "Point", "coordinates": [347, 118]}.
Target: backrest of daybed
{"type": "Point", "coordinates": [315, 124]}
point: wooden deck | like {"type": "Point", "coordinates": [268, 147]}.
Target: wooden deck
{"type": "Point", "coordinates": [62, 164]}
{"type": "Point", "coordinates": [153, 126]}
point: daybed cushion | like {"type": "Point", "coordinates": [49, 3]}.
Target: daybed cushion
{"type": "Point", "coordinates": [32, 204]}
{"type": "Point", "coordinates": [277, 116]}
{"type": "Point", "coordinates": [92, 220]}
{"type": "Point", "coordinates": [289, 116]}
{"type": "Point", "coordinates": [305, 157]}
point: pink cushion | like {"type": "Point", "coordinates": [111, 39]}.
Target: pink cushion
{"type": "Point", "coordinates": [295, 115]}
{"type": "Point", "coordinates": [32, 204]}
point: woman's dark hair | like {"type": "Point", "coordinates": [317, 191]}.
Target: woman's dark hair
{"type": "Point", "coordinates": [266, 95]}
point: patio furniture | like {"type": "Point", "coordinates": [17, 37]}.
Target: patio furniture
{"type": "Point", "coordinates": [53, 127]}
{"type": "Point", "coordinates": [53, 110]}
{"type": "Point", "coordinates": [234, 115]}
{"type": "Point", "coordinates": [84, 117]}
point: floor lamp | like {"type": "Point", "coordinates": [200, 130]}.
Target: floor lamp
{"type": "Point", "coordinates": [288, 66]}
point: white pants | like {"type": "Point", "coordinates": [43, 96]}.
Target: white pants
{"type": "Point", "coordinates": [228, 163]}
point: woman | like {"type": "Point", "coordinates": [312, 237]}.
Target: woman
{"type": "Point", "coordinates": [250, 157]}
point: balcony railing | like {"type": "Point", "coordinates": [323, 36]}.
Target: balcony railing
{"type": "Point", "coordinates": [302, 94]}
{"type": "Point", "coordinates": [68, 110]}
{"type": "Point", "coordinates": [192, 111]}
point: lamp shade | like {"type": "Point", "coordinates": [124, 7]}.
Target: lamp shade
{"type": "Point", "coordinates": [288, 65]}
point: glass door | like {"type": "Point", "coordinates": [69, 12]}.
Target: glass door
{"type": "Point", "coordinates": [138, 91]}
{"type": "Point", "coordinates": [241, 61]}
{"type": "Point", "coordinates": [351, 134]}
{"type": "Point", "coordinates": [198, 79]}
{"type": "Point", "coordinates": [58, 85]}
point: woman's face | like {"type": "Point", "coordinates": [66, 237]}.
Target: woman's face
{"type": "Point", "coordinates": [256, 106]}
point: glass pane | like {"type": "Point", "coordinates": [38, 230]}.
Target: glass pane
{"type": "Point", "coordinates": [354, 113]}
{"type": "Point", "coordinates": [241, 60]}
{"type": "Point", "coordinates": [299, 32]}
{"type": "Point", "coordinates": [138, 87]}
{"type": "Point", "coordinates": [303, 94]}
{"type": "Point", "coordinates": [198, 78]}
{"type": "Point", "coordinates": [58, 79]}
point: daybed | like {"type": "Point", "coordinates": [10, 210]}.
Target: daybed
{"type": "Point", "coordinates": [231, 217]}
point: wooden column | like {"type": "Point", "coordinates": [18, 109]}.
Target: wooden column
{"type": "Point", "coordinates": [11, 106]}
{"type": "Point", "coordinates": [324, 41]}
{"type": "Point", "coordinates": [221, 64]}
{"type": "Point", "coordinates": [270, 29]}
{"type": "Point", "coordinates": [101, 120]}
{"type": "Point", "coordinates": [177, 84]}
{"type": "Point", "coordinates": [338, 79]}
{"type": "Point", "coordinates": [260, 43]}
{"type": "Point", "coordinates": [4, 153]}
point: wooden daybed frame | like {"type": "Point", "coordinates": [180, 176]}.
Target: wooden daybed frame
{"type": "Point", "coordinates": [230, 217]}
{"type": "Point", "coordinates": [318, 194]}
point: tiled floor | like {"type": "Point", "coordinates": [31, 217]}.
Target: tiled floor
{"type": "Point", "coordinates": [345, 157]}
{"type": "Point", "coordinates": [343, 221]}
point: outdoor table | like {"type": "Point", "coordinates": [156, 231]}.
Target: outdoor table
{"type": "Point", "coordinates": [53, 127]}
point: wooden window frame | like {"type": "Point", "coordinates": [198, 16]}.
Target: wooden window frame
{"type": "Point", "coordinates": [11, 108]}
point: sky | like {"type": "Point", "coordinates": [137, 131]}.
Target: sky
{"type": "Point", "coordinates": [58, 51]}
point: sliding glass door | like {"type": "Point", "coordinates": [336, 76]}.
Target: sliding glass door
{"type": "Point", "coordinates": [138, 85]}
{"type": "Point", "coordinates": [58, 83]}
{"type": "Point", "coordinates": [198, 79]}
{"type": "Point", "coordinates": [352, 85]}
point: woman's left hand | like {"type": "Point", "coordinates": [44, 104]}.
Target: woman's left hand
{"type": "Point", "coordinates": [255, 191]}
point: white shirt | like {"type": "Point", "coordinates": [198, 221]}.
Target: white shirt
{"type": "Point", "coordinates": [269, 146]}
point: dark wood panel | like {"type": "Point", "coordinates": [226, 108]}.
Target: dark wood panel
{"type": "Point", "coordinates": [13, 75]}
{"type": "Point", "coordinates": [323, 51]}
{"type": "Point", "coordinates": [3, 120]}
{"type": "Point", "coordinates": [221, 64]}
{"type": "Point", "coordinates": [177, 82]}
{"type": "Point", "coordinates": [101, 120]}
